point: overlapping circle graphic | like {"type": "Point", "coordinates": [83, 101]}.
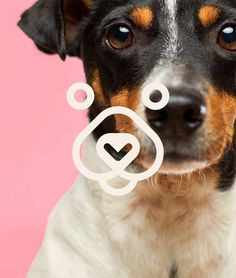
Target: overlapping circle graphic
{"type": "Point", "coordinates": [118, 140]}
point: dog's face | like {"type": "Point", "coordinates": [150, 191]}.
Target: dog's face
{"type": "Point", "coordinates": [188, 45]}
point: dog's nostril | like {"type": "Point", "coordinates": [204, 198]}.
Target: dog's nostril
{"type": "Point", "coordinates": [193, 116]}
{"type": "Point", "coordinates": [159, 118]}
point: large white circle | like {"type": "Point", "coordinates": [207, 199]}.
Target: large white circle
{"type": "Point", "coordinates": [72, 93]}
{"type": "Point", "coordinates": [149, 89]}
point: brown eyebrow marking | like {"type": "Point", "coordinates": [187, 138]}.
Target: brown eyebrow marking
{"type": "Point", "coordinates": [142, 16]}
{"type": "Point", "coordinates": [208, 14]}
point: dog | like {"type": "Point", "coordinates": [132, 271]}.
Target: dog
{"type": "Point", "coordinates": [182, 221]}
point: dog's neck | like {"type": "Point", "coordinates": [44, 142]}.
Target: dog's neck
{"type": "Point", "coordinates": [162, 202]}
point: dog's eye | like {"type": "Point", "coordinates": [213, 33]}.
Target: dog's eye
{"type": "Point", "coordinates": [227, 38]}
{"type": "Point", "coordinates": [120, 37]}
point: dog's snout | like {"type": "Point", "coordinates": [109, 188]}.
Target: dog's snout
{"type": "Point", "coordinates": [183, 115]}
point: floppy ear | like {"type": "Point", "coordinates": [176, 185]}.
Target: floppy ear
{"type": "Point", "coordinates": [51, 24]}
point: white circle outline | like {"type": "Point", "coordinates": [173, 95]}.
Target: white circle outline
{"type": "Point", "coordinates": [149, 89]}
{"type": "Point", "coordinates": [72, 93]}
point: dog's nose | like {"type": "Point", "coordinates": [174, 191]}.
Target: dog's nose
{"type": "Point", "coordinates": [183, 115]}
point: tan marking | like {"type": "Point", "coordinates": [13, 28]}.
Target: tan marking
{"type": "Point", "coordinates": [208, 15]}
{"type": "Point", "coordinates": [142, 17]}
{"type": "Point", "coordinates": [219, 129]}
{"type": "Point", "coordinates": [128, 99]}
{"type": "Point", "coordinates": [96, 84]}
{"type": "Point", "coordinates": [196, 186]}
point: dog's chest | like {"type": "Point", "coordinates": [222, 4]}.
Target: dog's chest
{"type": "Point", "coordinates": [168, 234]}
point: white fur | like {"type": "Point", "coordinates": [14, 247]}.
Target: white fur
{"type": "Point", "coordinates": [172, 41]}
{"type": "Point", "coordinates": [91, 234]}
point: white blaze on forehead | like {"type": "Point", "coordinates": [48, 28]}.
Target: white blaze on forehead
{"type": "Point", "coordinates": [172, 35]}
{"type": "Point", "coordinates": [165, 71]}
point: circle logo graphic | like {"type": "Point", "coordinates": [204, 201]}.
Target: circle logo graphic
{"type": "Point", "coordinates": [117, 140]}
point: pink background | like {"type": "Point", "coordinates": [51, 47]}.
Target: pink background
{"type": "Point", "coordinates": [37, 132]}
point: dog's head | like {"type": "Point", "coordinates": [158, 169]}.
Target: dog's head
{"type": "Point", "coordinates": [188, 45]}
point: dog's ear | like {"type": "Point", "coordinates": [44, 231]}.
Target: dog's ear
{"type": "Point", "coordinates": [51, 24]}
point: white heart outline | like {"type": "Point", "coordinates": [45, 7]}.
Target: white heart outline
{"type": "Point", "coordinates": [121, 139]}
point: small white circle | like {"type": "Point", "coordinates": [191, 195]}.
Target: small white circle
{"type": "Point", "coordinates": [149, 89]}
{"type": "Point", "coordinates": [71, 93]}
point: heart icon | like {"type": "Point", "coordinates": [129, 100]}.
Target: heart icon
{"type": "Point", "coordinates": [118, 141]}
{"type": "Point", "coordinates": [117, 155]}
